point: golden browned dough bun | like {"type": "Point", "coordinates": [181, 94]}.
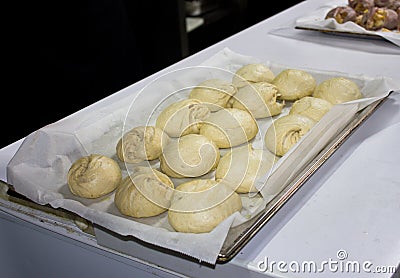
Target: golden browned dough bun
{"type": "Point", "coordinates": [361, 6]}
{"type": "Point", "coordinates": [215, 93]}
{"type": "Point", "coordinates": [192, 155]}
{"type": "Point", "coordinates": [342, 14]}
{"type": "Point", "coordinates": [338, 90]}
{"type": "Point", "coordinates": [182, 117]}
{"type": "Point", "coordinates": [294, 84]}
{"type": "Point", "coordinates": [145, 193]}
{"type": "Point", "coordinates": [141, 143]}
{"type": "Point", "coordinates": [312, 107]}
{"type": "Point", "coordinates": [241, 167]}
{"type": "Point", "coordinates": [200, 205]}
{"type": "Point", "coordinates": [259, 99]}
{"type": "Point", "coordinates": [229, 127]}
{"type": "Point", "coordinates": [379, 18]}
{"type": "Point", "coordinates": [252, 73]}
{"type": "Point", "coordinates": [93, 176]}
{"type": "Point", "coordinates": [285, 132]}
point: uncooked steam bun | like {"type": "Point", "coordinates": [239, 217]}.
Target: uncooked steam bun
{"type": "Point", "coordinates": [182, 117]}
{"type": "Point", "coordinates": [229, 127]}
{"type": "Point", "coordinates": [93, 176]}
{"type": "Point", "coordinates": [145, 193]}
{"type": "Point", "coordinates": [200, 205]}
{"type": "Point", "coordinates": [192, 155]}
{"type": "Point", "coordinates": [294, 84]}
{"type": "Point", "coordinates": [312, 107]}
{"type": "Point", "coordinates": [215, 93]}
{"type": "Point", "coordinates": [252, 73]}
{"type": "Point", "coordinates": [141, 143]}
{"type": "Point", "coordinates": [260, 99]}
{"type": "Point", "coordinates": [338, 90]}
{"type": "Point", "coordinates": [241, 167]}
{"type": "Point", "coordinates": [286, 131]}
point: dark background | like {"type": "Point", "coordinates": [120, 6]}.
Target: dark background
{"type": "Point", "coordinates": [65, 55]}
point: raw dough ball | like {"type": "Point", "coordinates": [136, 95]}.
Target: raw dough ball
{"type": "Point", "coordinates": [229, 127]}
{"type": "Point", "coordinates": [200, 205]}
{"type": "Point", "coordinates": [337, 90]}
{"type": "Point", "coordinates": [147, 192]}
{"type": "Point", "coordinates": [294, 84]}
{"type": "Point", "coordinates": [93, 176]}
{"type": "Point", "coordinates": [241, 167]}
{"type": "Point", "coordinates": [141, 143]}
{"type": "Point", "coordinates": [286, 131]}
{"type": "Point", "coordinates": [259, 99]}
{"type": "Point", "coordinates": [312, 107]}
{"type": "Point", "coordinates": [192, 155]}
{"type": "Point", "coordinates": [252, 73]}
{"type": "Point", "coordinates": [182, 117]}
{"type": "Point", "coordinates": [215, 93]}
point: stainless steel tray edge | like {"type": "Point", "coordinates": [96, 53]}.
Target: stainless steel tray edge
{"type": "Point", "coordinates": [239, 236]}
{"type": "Point", "coordinates": [343, 33]}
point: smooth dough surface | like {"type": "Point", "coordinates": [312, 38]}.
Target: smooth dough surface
{"type": "Point", "coordinates": [260, 99]}
{"type": "Point", "coordinates": [241, 167]}
{"type": "Point", "coordinates": [200, 205]}
{"type": "Point", "coordinates": [192, 155]}
{"type": "Point", "coordinates": [93, 176]}
{"type": "Point", "coordinates": [252, 73]}
{"type": "Point", "coordinates": [338, 90]}
{"type": "Point", "coordinates": [294, 84]}
{"type": "Point", "coordinates": [312, 107]}
{"type": "Point", "coordinates": [145, 193]}
{"type": "Point", "coordinates": [182, 117]}
{"type": "Point", "coordinates": [285, 132]}
{"type": "Point", "coordinates": [141, 143]}
{"type": "Point", "coordinates": [229, 127]}
{"type": "Point", "coordinates": [215, 93]}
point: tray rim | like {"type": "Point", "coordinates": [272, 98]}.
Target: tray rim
{"type": "Point", "coordinates": [349, 34]}
{"type": "Point", "coordinates": [341, 32]}
{"type": "Point", "coordinates": [248, 231]}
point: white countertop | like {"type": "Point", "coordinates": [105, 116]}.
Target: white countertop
{"type": "Point", "coordinates": [351, 206]}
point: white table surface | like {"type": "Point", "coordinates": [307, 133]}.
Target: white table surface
{"type": "Point", "coordinates": [352, 204]}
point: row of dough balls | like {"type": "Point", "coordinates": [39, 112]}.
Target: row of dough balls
{"type": "Point", "coordinates": [254, 88]}
{"type": "Point", "coordinates": [229, 122]}
{"type": "Point", "coordinates": [226, 112]}
{"type": "Point", "coordinates": [197, 206]}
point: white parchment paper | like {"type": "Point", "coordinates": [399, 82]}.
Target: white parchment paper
{"type": "Point", "coordinates": [39, 168]}
{"type": "Point", "coordinates": [316, 20]}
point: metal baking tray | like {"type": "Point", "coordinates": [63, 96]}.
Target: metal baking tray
{"type": "Point", "coordinates": [343, 33]}
{"type": "Point", "coordinates": [238, 236]}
